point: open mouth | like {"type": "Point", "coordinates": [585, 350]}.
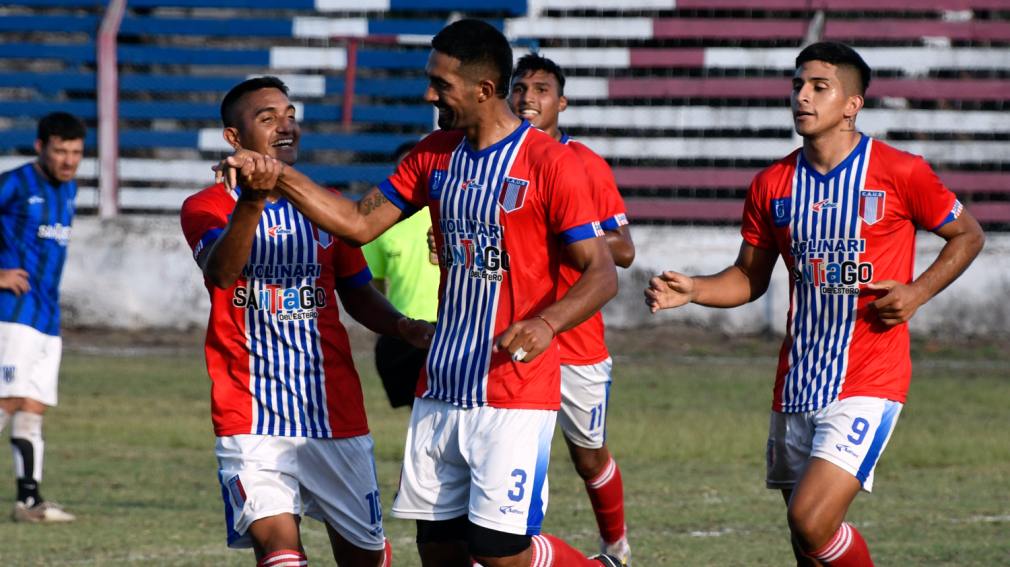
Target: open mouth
{"type": "Point", "coordinates": [283, 143]}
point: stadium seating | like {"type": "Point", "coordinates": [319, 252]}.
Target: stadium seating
{"type": "Point", "coordinates": [685, 98]}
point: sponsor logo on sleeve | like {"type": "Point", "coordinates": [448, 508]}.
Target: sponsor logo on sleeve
{"type": "Point", "coordinates": [435, 182]}
{"type": "Point", "coordinates": [782, 211]}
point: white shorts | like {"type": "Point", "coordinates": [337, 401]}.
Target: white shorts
{"type": "Point", "coordinates": [29, 363]}
{"type": "Point", "coordinates": [850, 433]}
{"type": "Point", "coordinates": [332, 480]}
{"type": "Point", "coordinates": [585, 397]}
{"type": "Point", "coordinates": [488, 463]}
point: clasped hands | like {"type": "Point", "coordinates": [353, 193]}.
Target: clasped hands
{"type": "Point", "coordinates": [251, 170]}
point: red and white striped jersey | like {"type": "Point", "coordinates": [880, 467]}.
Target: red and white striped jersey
{"type": "Point", "coordinates": [502, 216]}
{"type": "Point", "coordinates": [586, 343]}
{"type": "Point", "coordinates": [277, 354]}
{"type": "Point", "coordinates": [837, 232]}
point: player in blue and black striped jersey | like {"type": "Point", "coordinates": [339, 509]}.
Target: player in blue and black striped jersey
{"type": "Point", "coordinates": [36, 212]}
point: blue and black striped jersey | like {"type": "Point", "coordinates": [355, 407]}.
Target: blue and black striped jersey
{"type": "Point", "coordinates": [35, 219]}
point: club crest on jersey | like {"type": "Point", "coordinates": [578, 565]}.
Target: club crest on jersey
{"type": "Point", "coordinates": [782, 211]}
{"type": "Point", "coordinates": [513, 194]}
{"type": "Point", "coordinates": [871, 205]}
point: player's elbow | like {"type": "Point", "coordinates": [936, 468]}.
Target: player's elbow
{"type": "Point", "coordinates": [219, 277]}
{"type": "Point", "coordinates": [607, 284]}
{"type": "Point", "coordinates": [977, 242]}
{"type": "Point", "coordinates": [221, 281]}
{"type": "Point", "coordinates": [624, 257]}
{"type": "Point", "coordinates": [358, 234]}
{"type": "Point", "coordinates": [757, 289]}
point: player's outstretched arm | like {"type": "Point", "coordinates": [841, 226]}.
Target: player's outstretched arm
{"type": "Point", "coordinates": [965, 240]}
{"type": "Point", "coordinates": [357, 222]}
{"type": "Point", "coordinates": [622, 248]}
{"type": "Point", "coordinates": [370, 308]}
{"type": "Point", "coordinates": [596, 286]}
{"type": "Point", "coordinates": [746, 280]}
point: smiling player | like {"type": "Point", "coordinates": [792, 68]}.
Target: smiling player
{"type": "Point", "coordinates": [287, 406]}
{"type": "Point", "coordinates": [504, 205]}
{"type": "Point", "coordinates": [538, 96]}
{"type": "Point", "coordinates": [842, 212]}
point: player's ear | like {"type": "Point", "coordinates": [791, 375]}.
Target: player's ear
{"type": "Point", "coordinates": [231, 136]}
{"type": "Point", "coordinates": [562, 103]}
{"type": "Point", "coordinates": [485, 90]}
{"type": "Point", "coordinates": [38, 146]}
{"type": "Point", "coordinates": [853, 105]}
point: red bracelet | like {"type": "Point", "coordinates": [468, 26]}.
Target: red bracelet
{"type": "Point", "coordinates": [549, 326]}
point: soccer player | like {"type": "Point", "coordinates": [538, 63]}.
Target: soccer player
{"type": "Point", "coordinates": [36, 212]}
{"type": "Point", "coordinates": [538, 95]}
{"type": "Point", "coordinates": [504, 201]}
{"type": "Point", "coordinates": [842, 212]}
{"type": "Point", "coordinates": [287, 406]}
{"type": "Point", "coordinates": [407, 273]}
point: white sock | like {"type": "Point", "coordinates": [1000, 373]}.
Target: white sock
{"type": "Point", "coordinates": [27, 427]}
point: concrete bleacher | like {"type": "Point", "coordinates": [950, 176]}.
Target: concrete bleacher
{"type": "Point", "coordinates": [664, 89]}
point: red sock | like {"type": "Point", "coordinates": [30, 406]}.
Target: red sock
{"type": "Point", "coordinates": [606, 493]}
{"type": "Point", "coordinates": [284, 558]}
{"type": "Point", "coordinates": [549, 551]}
{"type": "Point", "coordinates": [387, 555]}
{"type": "Point", "coordinates": [845, 549]}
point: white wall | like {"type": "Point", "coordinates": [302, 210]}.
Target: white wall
{"type": "Point", "coordinates": [137, 273]}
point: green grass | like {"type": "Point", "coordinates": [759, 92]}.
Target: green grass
{"type": "Point", "coordinates": [130, 451]}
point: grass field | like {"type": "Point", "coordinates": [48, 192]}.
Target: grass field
{"type": "Point", "coordinates": [130, 451]}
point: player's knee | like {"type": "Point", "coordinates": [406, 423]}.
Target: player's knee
{"type": "Point", "coordinates": [26, 425]}
{"type": "Point", "coordinates": [487, 544]}
{"type": "Point", "coordinates": [589, 463]}
{"type": "Point", "coordinates": [809, 530]}
{"type": "Point", "coordinates": [442, 530]}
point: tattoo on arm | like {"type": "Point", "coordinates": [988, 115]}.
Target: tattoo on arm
{"type": "Point", "coordinates": [370, 204]}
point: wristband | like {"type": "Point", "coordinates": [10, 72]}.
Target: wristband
{"type": "Point", "coordinates": [549, 326]}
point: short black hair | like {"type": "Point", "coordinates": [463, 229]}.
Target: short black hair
{"type": "Point", "coordinates": [247, 86]}
{"type": "Point", "coordinates": [533, 62]}
{"type": "Point", "coordinates": [837, 54]}
{"type": "Point", "coordinates": [478, 43]}
{"type": "Point", "coordinates": [62, 125]}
